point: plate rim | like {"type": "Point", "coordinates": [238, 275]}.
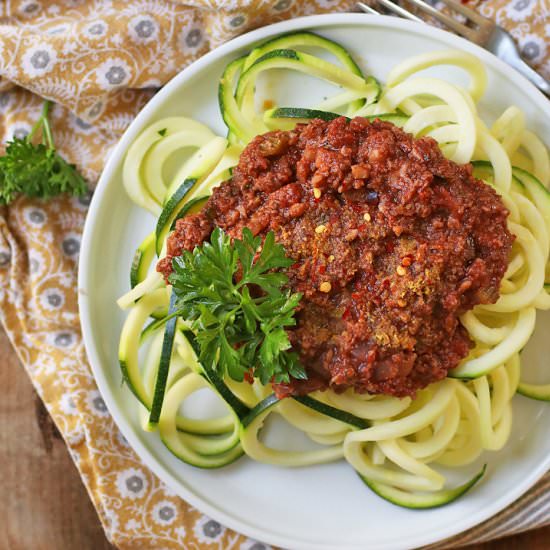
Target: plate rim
{"type": "Point", "coordinates": [312, 22]}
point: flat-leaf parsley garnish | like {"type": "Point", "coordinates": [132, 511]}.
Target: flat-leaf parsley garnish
{"type": "Point", "coordinates": [236, 300]}
{"type": "Point", "coordinates": [37, 170]}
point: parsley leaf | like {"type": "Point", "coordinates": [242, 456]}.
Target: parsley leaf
{"type": "Point", "coordinates": [37, 170]}
{"type": "Point", "coordinates": [233, 294]}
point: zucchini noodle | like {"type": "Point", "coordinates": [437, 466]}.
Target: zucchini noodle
{"type": "Point", "coordinates": [395, 445]}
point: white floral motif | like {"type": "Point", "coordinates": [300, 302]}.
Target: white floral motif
{"type": "Point", "coordinates": [71, 245]}
{"type": "Point", "coordinates": [117, 39]}
{"type": "Point", "coordinates": [96, 110]}
{"type": "Point", "coordinates": [180, 532]}
{"type": "Point", "coordinates": [113, 73]}
{"type": "Point", "coordinates": [69, 47]}
{"type": "Point", "coordinates": [96, 404]}
{"type": "Point", "coordinates": [533, 48]}
{"type": "Point", "coordinates": [155, 67]}
{"type": "Point", "coordinates": [208, 531]}
{"type": "Point", "coordinates": [112, 521]}
{"type": "Point", "coordinates": [325, 3]}
{"type": "Point", "coordinates": [143, 28]}
{"type": "Point", "coordinates": [80, 126]}
{"type": "Point", "coordinates": [132, 525]}
{"type": "Point", "coordinates": [132, 483]}
{"type": "Point", "coordinates": [52, 299]}
{"type": "Point", "coordinates": [35, 216]}
{"type": "Point", "coordinates": [191, 39]}
{"type": "Point", "coordinates": [5, 97]}
{"type": "Point", "coordinates": [65, 280]}
{"type": "Point", "coordinates": [282, 5]}
{"type": "Point", "coordinates": [53, 10]}
{"type": "Point", "coordinates": [67, 404]}
{"type": "Point", "coordinates": [236, 21]}
{"type": "Point", "coordinates": [58, 29]}
{"type": "Point", "coordinates": [39, 60]}
{"type": "Point", "coordinates": [164, 512]}
{"type": "Point", "coordinates": [63, 339]}
{"type": "Point", "coordinates": [17, 130]}
{"type": "Point", "coordinates": [5, 257]}
{"type": "Point", "coordinates": [95, 29]}
{"type": "Point", "coordinates": [251, 544]}
{"type": "Point", "coordinates": [519, 10]}
{"type": "Point", "coordinates": [36, 262]}
{"type": "Point", "coordinates": [29, 8]}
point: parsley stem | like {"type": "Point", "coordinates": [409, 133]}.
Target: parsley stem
{"type": "Point", "coordinates": [46, 125]}
{"type": "Point", "coordinates": [40, 122]}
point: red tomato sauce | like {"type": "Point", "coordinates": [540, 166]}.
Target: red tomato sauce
{"type": "Point", "coordinates": [392, 242]}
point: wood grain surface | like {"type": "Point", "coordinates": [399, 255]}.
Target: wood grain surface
{"type": "Point", "coordinates": [44, 505]}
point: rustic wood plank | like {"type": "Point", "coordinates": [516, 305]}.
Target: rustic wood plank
{"type": "Point", "coordinates": [44, 505]}
{"type": "Point", "coordinates": [538, 539]}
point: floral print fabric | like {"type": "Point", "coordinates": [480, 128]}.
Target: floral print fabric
{"type": "Point", "coordinates": [100, 61]}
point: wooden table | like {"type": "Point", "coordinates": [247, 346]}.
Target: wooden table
{"type": "Point", "coordinates": [44, 505]}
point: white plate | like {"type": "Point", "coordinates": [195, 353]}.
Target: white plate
{"type": "Point", "coordinates": [322, 507]}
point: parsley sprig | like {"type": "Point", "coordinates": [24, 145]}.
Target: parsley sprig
{"type": "Point", "coordinates": [37, 170]}
{"type": "Point", "coordinates": [235, 298]}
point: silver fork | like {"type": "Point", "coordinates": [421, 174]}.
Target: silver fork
{"type": "Point", "coordinates": [477, 28]}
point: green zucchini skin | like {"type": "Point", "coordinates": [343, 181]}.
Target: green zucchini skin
{"type": "Point", "coordinates": [141, 262]}
{"type": "Point", "coordinates": [210, 462]}
{"type": "Point", "coordinates": [163, 223]}
{"type": "Point", "coordinates": [332, 412]}
{"type": "Point", "coordinates": [301, 113]}
{"type": "Point", "coordinates": [261, 407]}
{"type": "Point", "coordinates": [534, 391]}
{"type": "Point", "coordinates": [294, 40]}
{"type": "Point", "coordinates": [188, 208]}
{"type": "Point", "coordinates": [143, 258]}
{"type": "Point", "coordinates": [240, 409]}
{"type": "Point", "coordinates": [422, 501]}
{"type": "Point", "coordinates": [242, 73]}
{"type": "Point", "coordinates": [164, 364]}
{"type": "Point", "coordinates": [536, 191]}
{"type": "Point", "coordinates": [205, 452]}
{"type": "Point", "coordinates": [238, 129]}
{"type": "Point", "coordinates": [309, 114]}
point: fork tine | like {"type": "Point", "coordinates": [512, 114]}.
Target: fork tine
{"type": "Point", "coordinates": [366, 8]}
{"type": "Point", "coordinates": [469, 13]}
{"type": "Point", "coordinates": [445, 19]}
{"type": "Point", "coordinates": [399, 10]}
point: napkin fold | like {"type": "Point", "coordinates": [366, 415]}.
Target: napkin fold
{"type": "Point", "coordinates": [100, 61]}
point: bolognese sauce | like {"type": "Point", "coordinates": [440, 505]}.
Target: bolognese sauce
{"type": "Point", "coordinates": [391, 243]}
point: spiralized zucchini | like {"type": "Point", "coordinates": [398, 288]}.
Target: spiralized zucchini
{"type": "Point", "coordinates": [394, 444]}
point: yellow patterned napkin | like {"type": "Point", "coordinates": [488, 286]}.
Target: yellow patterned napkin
{"type": "Point", "coordinates": [100, 61]}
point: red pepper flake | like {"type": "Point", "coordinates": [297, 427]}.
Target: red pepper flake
{"type": "Point", "coordinates": [295, 265]}
{"type": "Point", "coordinates": [322, 269]}
{"type": "Point", "coordinates": [355, 295]}
{"type": "Point", "coordinates": [362, 227]}
{"type": "Point", "coordinates": [249, 377]}
{"type": "Point", "coordinates": [347, 314]}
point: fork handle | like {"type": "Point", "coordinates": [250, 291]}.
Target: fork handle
{"type": "Point", "coordinates": [541, 83]}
